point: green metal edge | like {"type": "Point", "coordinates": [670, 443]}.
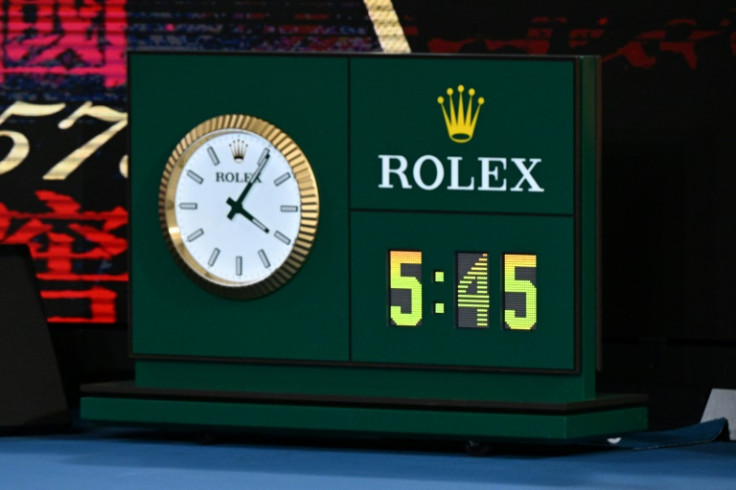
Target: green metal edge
{"type": "Point", "coordinates": [360, 420]}
{"type": "Point", "coordinates": [590, 207]}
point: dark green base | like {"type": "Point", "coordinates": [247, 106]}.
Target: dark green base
{"type": "Point", "coordinates": [124, 403]}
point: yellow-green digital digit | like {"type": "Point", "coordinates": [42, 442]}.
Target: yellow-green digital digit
{"type": "Point", "coordinates": [473, 300]}
{"type": "Point", "coordinates": [405, 288]}
{"type": "Point", "coordinates": [519, 291]}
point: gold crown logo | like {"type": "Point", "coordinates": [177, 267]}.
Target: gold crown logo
{"type": "Point", "coordinates": [460, 118]}
{"type": "Point", "coordinates": [237, 148]}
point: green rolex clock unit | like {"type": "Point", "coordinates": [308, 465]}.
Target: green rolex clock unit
{"type": "Point", "coordinates": [366, 244]}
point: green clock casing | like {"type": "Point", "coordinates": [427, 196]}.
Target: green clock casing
{"type": "Point", "coordinates": [452, 289]}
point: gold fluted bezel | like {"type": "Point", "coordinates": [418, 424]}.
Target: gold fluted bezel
{"type": "Point", "coordinates": [308, 194]}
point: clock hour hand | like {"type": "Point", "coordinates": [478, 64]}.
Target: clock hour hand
{"type": "Point", "coordinates": [236, 206]}
{"type": "Point", "coordinates": [253, 220]}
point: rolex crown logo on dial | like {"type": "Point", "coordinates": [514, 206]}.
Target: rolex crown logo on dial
{"type": "Point", "coordinates": [237, 149]}
{"type": "Point", "coordinates": [239, 206]}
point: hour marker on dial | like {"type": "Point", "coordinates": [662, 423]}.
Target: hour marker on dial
{"type": "Point", "coordinates": [282, 179]}
{"type": "Point", "coordinates": [196, 234]}
{"type": "Point", "coordinates": [264, 258]}
{"type": "Point", "coordinates": [195, 176]}
{"type": "Point", "coordinates": [188, 205]}
{"type": "Point", "coordinates": [283, 238]}
{"type": "Point", "coordinates": [289, 209]}
{"type": "Point", "coordinates": [213, 155]}
{"type": "Point", "coordinates": [213, 257]}
{"type": "Point", "coordinates": [239, 265]}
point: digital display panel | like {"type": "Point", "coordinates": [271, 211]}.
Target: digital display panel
{"type": "Point", "coordinates": [472, 300]}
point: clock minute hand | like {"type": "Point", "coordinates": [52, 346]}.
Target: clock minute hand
{"type": "Point", "coordinates": [236, 206]}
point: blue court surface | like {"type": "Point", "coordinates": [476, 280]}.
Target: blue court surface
{"type": "Point", "coordinates": [117, 458]}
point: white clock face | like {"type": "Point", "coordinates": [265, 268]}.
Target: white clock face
{"type": "Point", "coordinates": [234, 208]}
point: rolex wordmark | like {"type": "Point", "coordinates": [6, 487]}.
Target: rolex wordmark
{"type": "Point", "coordinates": [493, 174]}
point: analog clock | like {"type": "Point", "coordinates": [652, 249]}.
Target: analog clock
{"type": "Point", "coordinates": [239, 206]}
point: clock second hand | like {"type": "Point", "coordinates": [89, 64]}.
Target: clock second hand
{"type": "Point", "coordinates": [236, 206]}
